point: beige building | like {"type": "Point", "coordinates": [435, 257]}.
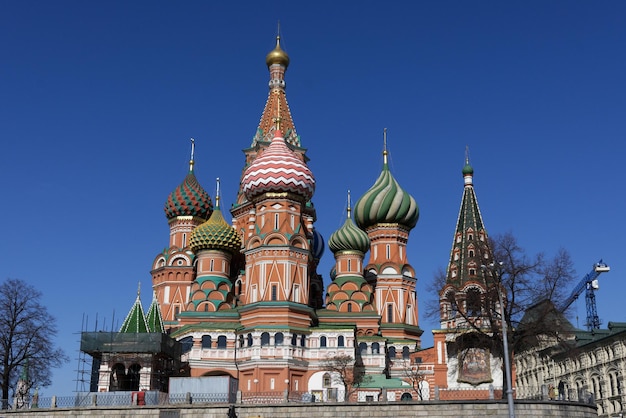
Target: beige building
{"type": "Point", "coordinates": [589, 368]}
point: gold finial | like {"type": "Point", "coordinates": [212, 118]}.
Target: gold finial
{"type": "Point", "coordinates": [349, 207]}
{"type": "Point", "coordinates": [193, 148]}
{"type": "Point", "coordinates": [385, 146]}
{"type": "Point", "coordinates": [277, 55]}
{"type": "Point", "coordinates": [217, 193]}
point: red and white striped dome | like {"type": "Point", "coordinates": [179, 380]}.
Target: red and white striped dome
{"type": "Point", "coordinates": [278, 169]}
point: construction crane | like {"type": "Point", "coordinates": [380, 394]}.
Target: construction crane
{"type": "Point", "coordinates": [590, 284]}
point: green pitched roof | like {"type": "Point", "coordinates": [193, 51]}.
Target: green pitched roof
{"type": "Point", "coordinates": [154, 317]}
{"type": "Point", "coordinates": [135, 320]}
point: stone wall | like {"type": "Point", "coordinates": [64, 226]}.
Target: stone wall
{"type": "Point", "coordinates": [477, 409]}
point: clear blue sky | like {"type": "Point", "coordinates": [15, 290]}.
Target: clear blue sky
{"type": "Point", "coordinates": [98, 101]}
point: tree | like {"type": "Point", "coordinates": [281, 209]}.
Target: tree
{"type": "Point", "coordinates": [27, 331]}
{"type": "Point", "coordinates": [513, 282]}
{"type": "Point", "coordinates": [417, 376]}
{"type": "Point", "coordinates": [346, 371]}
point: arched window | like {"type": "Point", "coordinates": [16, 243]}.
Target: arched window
{"type": "Point", "coordinates": [375, 348]}
{"type": "Point", "coordinates": [278, 338]}
{"type": "Point", "coordinates": [221, 341]}
{"type": "Point", "coordinates": [118, 378]}
{"type": "Point", "coordinates": [323, 341]}
{"type": "Point", "coordinates": [473, 302]}
{"type": "Point", "coordinates": [349, 307]}
{"type": "Point", "coordinates": [363, 348]}
{"type": "Point", "coordinates": [265, 339]}
{"type": "Point", "coordinates": [326, 380]}
{"type": "Point", "coordinates": [405, 352]}
{"type": "Point", "coordinates": [249, 340]}
{"type": "Point", "coordinates": [133, 377]}
{"type": "Point", "coordinates": [303, 341]}
{"type": "Point", "coordinates": [294, 339]}
{"type": "Point", "coordinates": [391, 352]}
{"type": "Point", "coordinates": [206, 341]}
{"type": "Point", "coordinates": [340, 341]}
{"type": "Point", "coordinates": [241, 341]}
{"type": "Point", "coordinates": [186, 344]}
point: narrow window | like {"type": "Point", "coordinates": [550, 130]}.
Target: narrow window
{"type": "Point", "coordinates": [249, 340]}
{"type": "Point", "coordinates": [349, 265]}
{"type": "Point", "coordinates": [405, 352]}
{"type": "Point", "coordinates": [471, 253]}
{"type": "Point", "coordinates": [303, 341]}
{"type": "Point", "coordinates": [292, 222]}
{"type": "Point", "coordinates": [186, 344]}
{"type": "Point", "coordinates": [206, 341]}
{"type": "Point", "coordinates": [323, 341]}
{"type": "Point", "coordinates": [212, 265]}
{"type": "Point", "coordinates": [340, 341]}
{"type": "Point", "coordinates": [375, 348]}
{"type": "Point", "coordinates": [274, 292]}
{"type": "Point", "coordinates": [275, 221]}
{"type": "Point", "coordinates": [294, 339]}
{"type": "Point", "coordinates": [296, 293]}
{"type": "Point", "coordinates": [272, 383]}
{"type": "Point", "coordinates": [388, 251]}
{"type": "Point", "coordinates": [349, 307]}
{"type": "Point", "coordinates": [184, 240]}
{"type": "Point", "coordinates": [389, 312]}
{"type": "Point", "coordinates": [326, 382]}
{"type": "Point", "coordinates": [221, 341]}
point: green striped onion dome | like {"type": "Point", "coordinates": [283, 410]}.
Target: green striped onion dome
{"type": "Point", "coordinates": [467, 169]}
{"type": "Point", "coordinates": [215, 234]}
{"type": "Point", "coordinates": [349, 238]}
{"type": "Point", "coordinates": [386, 202]}
{"type": "Point", "coordinates": [189, 199]}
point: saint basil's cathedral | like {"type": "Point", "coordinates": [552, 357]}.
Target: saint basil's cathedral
{"type": "Point", "coordinates": [245, 299]}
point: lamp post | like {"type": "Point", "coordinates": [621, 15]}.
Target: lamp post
{"type": "Point", "coordinates": [495, 270]}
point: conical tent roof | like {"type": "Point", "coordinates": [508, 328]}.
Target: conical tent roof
{"type": "Point", "coordinates": [135, 320]}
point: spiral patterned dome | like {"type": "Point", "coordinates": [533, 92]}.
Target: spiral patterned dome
{"type": "Point", "coordinates": [386, 202]}
{"type": "Point", "coordinates": [318, 245]}
{"type": "Point", "coordinates": [278, 169]}
{"type": "Point", "coordinates": [189, 199]}
{"type": "Point", "coordinates": [215, 234]}
{"type": "Point", "coordinates": [349, 238]}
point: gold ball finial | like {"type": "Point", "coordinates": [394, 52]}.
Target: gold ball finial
{"type": "Point", "coordinates": [277, 55]}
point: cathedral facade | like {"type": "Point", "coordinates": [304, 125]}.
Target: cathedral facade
{"type": "Point", "coordinates": [244, 297]}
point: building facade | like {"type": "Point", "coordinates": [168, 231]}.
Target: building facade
{"type": "Point", "coordinates": [244, 297]}
{"type": "Point", "coordinates": [463, 363]}
{"type": "Point", "coordinates": [589, 366]}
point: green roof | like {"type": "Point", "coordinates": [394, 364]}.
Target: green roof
{"type": "Point", "coordinates": [135, 320]}
{"type": "Point", "coordinates": [380, 381]}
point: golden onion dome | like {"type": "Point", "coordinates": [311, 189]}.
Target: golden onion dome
{"type": "Point", "coordinates": [277, 56]}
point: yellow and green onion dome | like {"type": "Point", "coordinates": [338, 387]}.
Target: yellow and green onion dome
{"type": "Point", "coordinates": [386, 202]}
{"type": "Point", "coordinates": [189, 199]}
{"type": "Point", "coordinates": [215, 234]}
{"type": "Point", "coordinates": [349, 238]}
